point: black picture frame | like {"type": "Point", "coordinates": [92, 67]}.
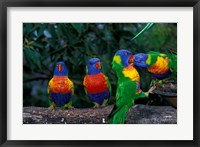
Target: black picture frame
{"type": "Point", "coordinates": [4, 4]}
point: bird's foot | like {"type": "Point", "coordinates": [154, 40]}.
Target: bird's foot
{"type": "Point", "coordinates": [152, 83]}
{"type": "Point", "coordinates": [152, 88]}
{"type": "Point", "coordinates": [52, 109]}
{"type": "Point", "coordinates": [105, 103]}
{"type": "Point", "coordinates": [96, 105]}
{"type": "Point", "coordinates": [68, 106]}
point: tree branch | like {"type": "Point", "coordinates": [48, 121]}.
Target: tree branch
{"type": "Point", "coordinates": [138, 114]}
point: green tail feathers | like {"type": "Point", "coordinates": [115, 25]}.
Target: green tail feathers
{"type": "Point", "coordinates": [118, 116]}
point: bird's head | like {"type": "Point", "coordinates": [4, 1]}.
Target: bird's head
{"type": "Point", "coordinates": [140, 60]}
{"type": "Point", "coordinates": [60, 69]}
{"type": "Point", "coordinates": [93, 66]}
{"type": "Point", "coordinates": [122, 58]}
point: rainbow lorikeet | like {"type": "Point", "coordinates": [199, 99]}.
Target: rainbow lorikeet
{"type": "Point", "coordinates": [97, 85]}
{"type": "Point", "coordinates": [128, 85]}
{"type": "Point", "coordinates": [60, 87]}
{"type": "Point", "coordinates": [160, 65]}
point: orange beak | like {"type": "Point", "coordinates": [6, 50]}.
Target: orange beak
{"type": "Point", "coordinates": [98, 65]}
{"type": "Point", "coordinates": [131, 60]}
{"type": "Point", "coordinates": [59, 67]}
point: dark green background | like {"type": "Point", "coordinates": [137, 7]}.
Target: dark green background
{"type": "Point", "coordinates": [46, 43]}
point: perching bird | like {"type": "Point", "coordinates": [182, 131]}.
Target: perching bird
{"type": "Point", "coordinates": [128, 86]}
{"type": "Point", "coordinates": [60, 87]}
{"type": "Point", "coordinates": [160, 65]}
{"type": "Point", "coordinates": [97, 85]}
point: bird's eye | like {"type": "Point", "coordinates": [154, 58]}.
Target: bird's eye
{"type": "Point", "coordinates": [98, 65]}
{"type": "Point", "coordinates": [126, 53]}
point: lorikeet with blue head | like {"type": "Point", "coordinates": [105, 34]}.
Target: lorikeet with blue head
{"type": "Point", "coordinates": [97, 85]}
{"type": "Point", "coordinates": [60, 88]}
{"type": "Point", "coordinates": [160, 65]}
{"type": "Point", "coordinates": [128, 86]}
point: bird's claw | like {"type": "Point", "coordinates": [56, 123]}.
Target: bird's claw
{"type": "Point", "coordinates": [52, 109]}
{"type": "Point", "coordinates": [151, 89]}
{"type": "Point", "coordinates": [70, 107]}
{"type": "Point", "coordinates": [96, 105]}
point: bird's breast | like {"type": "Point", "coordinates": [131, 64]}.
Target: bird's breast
{"type": "Point", "coordinates": [160, 67]}
{"type": "Point", "coordinates": [60, 84]}
{"type": "Point", "coordinates": [95, 83]}
{"type": "Point", "coordinates": [131, 73]}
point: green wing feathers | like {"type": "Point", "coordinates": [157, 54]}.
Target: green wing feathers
{"type": "Point", "coordinates": [126, 94]}
{"type": "Point", "coordinates": [84, 86]}
{"type": "Point", "coordinates": [109, 85]}
{"type": "Point", "coordinates": [152, 55]}
{"type": "Point", "coordinates": [72, 88]}
{"type": "Point", "coordinates": [173, 63]}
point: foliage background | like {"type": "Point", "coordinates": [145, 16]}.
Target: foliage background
{"type": "Point", "coordinates": [46, 43]}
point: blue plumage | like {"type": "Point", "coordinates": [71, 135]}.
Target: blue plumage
{"type": "Point", "coordinates": [61, 69]}
{"type": "Point", "coordinates": [92, 69]}
{"type": "Point", "coordinates": [99, 97]}
{"type": "Point", "coordinates": [162, 76]}
{"type": "Point", "coordinates": [60, 99]}
{"type": "Point", "coordinates": [123, 54]}
{"type": "Point", "coordinates": [140, 60]}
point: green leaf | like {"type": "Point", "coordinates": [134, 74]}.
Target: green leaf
{"type": "Point", "coordinates": [77, 27]}
{"type": "Point", "coordinates": [32, 58]}
{"type": "Point", "coordinates": [52, 31]}
{"type": "Point", "coordinates": [41, 30]}
{"type": "Point", "coordinates": [71, 37]}
{"type": "Point", "coordinates": [31, 28]}
{"type": "Point", "coordinates": [37, 45]}
{"type": "Point", "coordinates": [59, 31]}
{"type": "Point", "coordinates": [145, 28]}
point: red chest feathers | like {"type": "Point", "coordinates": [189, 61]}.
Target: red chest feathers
{"type": "Point", "coordinates": [60, 84]}
{"type": "Point", "coordinates": [95, 83]}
